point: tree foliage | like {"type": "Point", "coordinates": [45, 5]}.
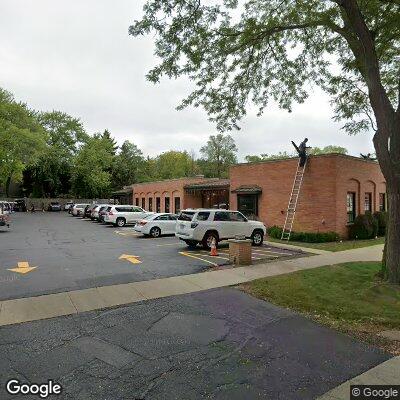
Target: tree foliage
{"type": "Point", "coordinates": [91, 175]}
{"type": "Point", "coordinates": [128, 165]}
{"type": "Point", "coordinates": [51, 175]}
{"type": "Point", "coordinates": [22, 139]}
{"type": "Point", "coordinates": [276, 49]}
{"type": "Point", "coordinates": [173, 164]}
{"type": "Point", "coordinates": [328, 150]}
{"type": "Point", "coordinates": [284, 154]}
{"type": "Point", "coordinates": [219, 153]}
{"type": "Point", "coordinates": [265, 157]}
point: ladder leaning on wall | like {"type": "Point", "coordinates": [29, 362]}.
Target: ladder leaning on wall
{"type": "Point", "coordinates": [292, 205]}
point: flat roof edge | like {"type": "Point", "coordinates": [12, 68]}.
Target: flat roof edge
{"type": "Point", "coordinates": [311, 156]}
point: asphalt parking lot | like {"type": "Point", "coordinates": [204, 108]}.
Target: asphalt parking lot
{"type": "Point", "coordinates": [218, 344]}
{"type": "Point", "coordinates": [54, 252]}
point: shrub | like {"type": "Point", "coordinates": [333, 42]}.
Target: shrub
{"type": "Point", "coordinates": [314, 237]}
{"type": "Point", "coordinates": [381, 217]}
{"type": "Point", "coordinates": [307, 237]}
{"type": "Point", "coordinates": [274, 232]}
{"type": "Point", "coordinates": [365, 226]}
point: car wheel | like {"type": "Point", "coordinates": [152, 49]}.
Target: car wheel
{"type": "Point", "coordinates": [191, 243]}
{"type": "Point", "coordinates": [257, 238]}
{"type": "Point", "coordinates": [121, 222]}
{"type": "Point", "coordinates": [155, 232]}
{"type": "Point", "coordinates": [208, 239]}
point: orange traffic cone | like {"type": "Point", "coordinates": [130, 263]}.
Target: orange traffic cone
{"type": "Point", "coordinates": [213, 251]}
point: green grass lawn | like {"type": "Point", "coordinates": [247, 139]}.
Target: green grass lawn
{"type": "Point", "coordinates": [335, 246]}
{"type": "Point", "coordinates": [348, 297]}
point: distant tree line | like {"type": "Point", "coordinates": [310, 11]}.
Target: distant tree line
{"type": "Point", "coordinates": [284, 154]}
{"type": "Point", "coordinates": [53, 155]}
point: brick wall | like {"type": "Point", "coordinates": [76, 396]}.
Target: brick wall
{"type": "Point", "coordinates": [173, 188]}
{"type": "Point", "coordinates": [359, 176]}
{"type": "Point", "coordinates": [322, 202]}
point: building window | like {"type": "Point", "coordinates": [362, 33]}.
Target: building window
{"type": "Point", "coordinates": [166, 204]}
{"type": "Point", "coordinates": [143, 203]}
{"type": "Point", "coordinates": [137, 201]}
{"type": "Point", "coordinates": [368, 202]}
{"type": "Point", "coordinates": [382, 201]}
{"type": "Point", "coordinates": [158, 204]}
{"type": "Point", "coordinates": [177, 204]}
{"type": "Point", "coordinates": [150, 204]}
{"type": "Point", "coordinates": [351, 207]}
{"type": "Point", "coordinates": [248, 204]}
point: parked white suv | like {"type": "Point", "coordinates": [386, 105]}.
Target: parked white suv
{"type": "Point", "coordinates": [120, 215]}
{"type": "Point", "coordinates": [78, 209]}
{"type": "Point", "coordinates": [94, 213]}
{"type": "Point", "coordinates": [203, 226]}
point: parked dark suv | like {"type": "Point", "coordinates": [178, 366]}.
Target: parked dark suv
{"type": "Point", "coordinates": [20, 205]}
{"type": "Point", "coordinates": [54, 206]}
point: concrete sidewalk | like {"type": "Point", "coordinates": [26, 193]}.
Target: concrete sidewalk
{"type": "Point", "coordinates": [295, 247]}
{"type": "Point", "coordinates": [387, 373]}
{"type": "Point", "coordinates": [74, 302]}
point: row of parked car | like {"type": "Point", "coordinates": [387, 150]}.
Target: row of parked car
{"type": "Point", "coordinates": [5, 210]}
{"type": "Point", "coordinates": [193, 226]}
{"type": "Point", "coordinates": [148, 223]}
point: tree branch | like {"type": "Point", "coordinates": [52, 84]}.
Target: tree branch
{"type": "Point", "coordinates": [365, 54]}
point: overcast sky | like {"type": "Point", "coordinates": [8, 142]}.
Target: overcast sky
{"type": "Point", "coordinates": [76, 56]}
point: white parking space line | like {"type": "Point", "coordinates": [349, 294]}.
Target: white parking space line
{"type": "Point", "coordinates": [167, 244]}
{"type": "Point", "coordinates": [127, 233]}
{"type": "Point", "coordinates": [198, 258]}
{"type": "Point", "coordinates": [274, 252]}
{"type": "Point", "coordinates": [257, 253]}
{"type": "Point", "coordinates": [208, 255]}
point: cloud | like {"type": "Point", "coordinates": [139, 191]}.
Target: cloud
{"type": "Point", "coordinates": [78, 57]}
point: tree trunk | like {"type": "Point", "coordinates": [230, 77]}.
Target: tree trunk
{"type": "Point", "coordinates": [387, 146]}
{"type": "Point", "coordinates": [7, 188]}
{"type": "Point", "coordinates": [392, 260]}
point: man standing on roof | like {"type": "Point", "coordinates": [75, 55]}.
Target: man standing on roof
{"type": "Point", "coordinates": [302, 150]}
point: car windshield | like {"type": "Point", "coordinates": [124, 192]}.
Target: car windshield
{"type": "Point", "coordinates": [186, 216]}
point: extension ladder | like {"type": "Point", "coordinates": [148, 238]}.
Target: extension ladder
{"type": "Point", "coordinates": [294, 197]}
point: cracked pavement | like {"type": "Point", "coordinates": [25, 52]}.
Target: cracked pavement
{"type": "Point", "coordinates": [217, 344]}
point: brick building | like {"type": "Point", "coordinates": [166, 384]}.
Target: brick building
{"type": "Point", "coordinates": [335, 189]}
{"type": "Point", "coordinates": [174, 195]}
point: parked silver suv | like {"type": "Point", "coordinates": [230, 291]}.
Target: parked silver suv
{"type": "Point", "coordinates": [205, 225]}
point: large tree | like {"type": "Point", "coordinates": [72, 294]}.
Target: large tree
{"type": "Point", "coordinates": [52, 173]}
{"type": "Point", "coordinates": [22, 139]}
{"type": "Point", "coordinates": [173, 164]}
{"type": "Point", "coordinates": [91, 175]}
{"type": "Point", "coordinates": [277, 49]}
{"type": "Point", "coordinates": [219, 153]}
{"type": "Point", "coordinates": [128, 165]}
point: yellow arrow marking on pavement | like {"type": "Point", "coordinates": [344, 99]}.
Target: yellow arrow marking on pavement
{"type": "Point", "coordinates": [23, 268]}
{"type": "Point", "coordinates": [131, 258]}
